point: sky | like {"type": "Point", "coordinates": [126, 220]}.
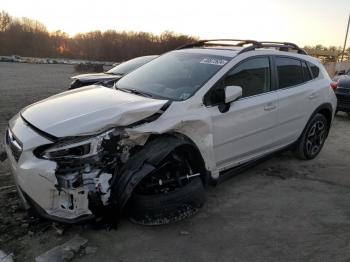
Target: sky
{"type": "Point", "coordinates": [304, 22]}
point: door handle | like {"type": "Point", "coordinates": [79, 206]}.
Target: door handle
{"type": "Point", "coordinates": [269, 107]}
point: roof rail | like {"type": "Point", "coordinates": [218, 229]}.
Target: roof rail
{"type": "Point", "coordinates": [211, 42]}
{"type": "Point", "coordinates": [282, 46]}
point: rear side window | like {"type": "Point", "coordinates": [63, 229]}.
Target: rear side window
{"type": "Point", "coordinates": [314, 69]}
{"type": "Point", "coordinates": [306, 72]}
{"type": "Point", "coordinates": [289, 72]}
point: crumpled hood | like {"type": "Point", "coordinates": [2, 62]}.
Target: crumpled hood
{"type": "Point", "coordinates": [89, 110]}
{"type": "Point", "coordinates": [93, 77]}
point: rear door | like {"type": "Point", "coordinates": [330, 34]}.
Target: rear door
{"type": "Point", "coordinates": [295, 97]}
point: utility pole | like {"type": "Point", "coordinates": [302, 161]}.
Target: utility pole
{"type": "Point", "coordinates": [346, 37]}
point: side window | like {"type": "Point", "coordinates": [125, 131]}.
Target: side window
{"type": "Point", "coordinates": [314, 69]}
{"type": "Point", "coordinates": [252, 75]}
{"type": "Point", "coordinates": [289, 72]}
{"type": "Point", "coordinates": [306, 72]}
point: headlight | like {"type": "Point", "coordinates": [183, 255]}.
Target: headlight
{"type": "Point", "coordinates": [76, 148]}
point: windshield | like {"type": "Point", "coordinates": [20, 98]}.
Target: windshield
{"type": "Point", "coordinates": [130, 65]}
{"type": "Point", "coordinates": [176, 75]}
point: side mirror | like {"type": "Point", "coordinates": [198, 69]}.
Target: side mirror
{"type": "Point", "coordinates": [232, 93]}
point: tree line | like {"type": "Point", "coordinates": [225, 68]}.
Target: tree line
{"type": "Point", "coordinates": [328, 54]}
{"type": "Point", "coordinates": [28, 37]}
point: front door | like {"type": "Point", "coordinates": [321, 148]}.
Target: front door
{"type": "Point", "coordinates": [247, 129]}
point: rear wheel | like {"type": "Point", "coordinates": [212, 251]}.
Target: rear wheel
{"type": "Point", "coordinates": [171, 193]}
{"type": "Point", "coordinates": [313, 137]}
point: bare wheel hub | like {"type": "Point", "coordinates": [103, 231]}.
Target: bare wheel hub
{"type": "Point", "coordinates": [174, 172]}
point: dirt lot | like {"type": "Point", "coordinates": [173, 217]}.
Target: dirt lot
{"type": "Point", "coordinates": [281, 210]}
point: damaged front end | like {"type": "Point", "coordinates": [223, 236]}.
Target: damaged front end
{"type": "Point", "coordinates": [69, 179]}
{"type": "Point", "coordinates": [86, 168]}
{"type": "Point", "coordinates": [79, 178]}
{"type": "Point", "coordinates": [65, 151]}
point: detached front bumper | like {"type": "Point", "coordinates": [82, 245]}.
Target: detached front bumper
{"type": "Point", "coordinates": [36, 181]}
{"type": "Point", "coordinates": [31, 204]}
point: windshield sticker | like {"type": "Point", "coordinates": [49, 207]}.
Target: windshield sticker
{"type": "Point", "coordinates": [213, 61]}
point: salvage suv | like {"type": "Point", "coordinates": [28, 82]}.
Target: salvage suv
{"type": "Point", "coordinates": [152, 143]}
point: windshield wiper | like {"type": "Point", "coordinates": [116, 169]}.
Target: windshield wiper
{"type": "Point", "coordinates": [133, 91]}
{"type": "Point", "coordinates": [138, 92]}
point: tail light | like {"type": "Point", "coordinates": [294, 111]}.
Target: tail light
{"type": "Point", "coordinates": [334, 85]}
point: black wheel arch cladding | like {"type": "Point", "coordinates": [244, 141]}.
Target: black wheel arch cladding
{"type": "Point", "coordinates": [142, 163]}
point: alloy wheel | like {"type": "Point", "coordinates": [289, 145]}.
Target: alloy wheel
{"type": "Point", "coordinates": [315, 138]}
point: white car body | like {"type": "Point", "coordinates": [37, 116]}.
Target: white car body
{"type": "Point", "coordinates": [252, 127]}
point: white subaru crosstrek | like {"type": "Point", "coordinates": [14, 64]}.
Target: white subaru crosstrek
{"type": "Point", "coordinates": [151, 144]}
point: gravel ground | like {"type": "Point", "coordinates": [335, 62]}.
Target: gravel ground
{"type": "Point", "coordinates": [281, 210]}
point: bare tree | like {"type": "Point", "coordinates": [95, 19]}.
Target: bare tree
{"type": "Point", "coordinates": [28, 37]}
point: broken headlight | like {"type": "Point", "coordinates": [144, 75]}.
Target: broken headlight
{"type": "Point", "coordinates": [81, 147]}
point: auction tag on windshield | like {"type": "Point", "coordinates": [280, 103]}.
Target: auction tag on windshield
{"type": "Point", "coordinates": [213, 61]}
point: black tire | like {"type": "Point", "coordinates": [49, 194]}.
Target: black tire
{"type": "Point", "coordinates": [348, 113]}
{"type": "Point", "coordinates": [313, 137]}
{"type": "Point", "coordinates": [167, 208]}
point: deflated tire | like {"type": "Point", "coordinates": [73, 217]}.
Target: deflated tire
{"type": "Point", "coordinates": [169, 207]}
